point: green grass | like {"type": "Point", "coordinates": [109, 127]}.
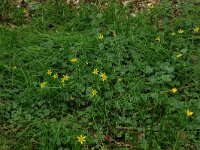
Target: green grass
{"type": "Point", "coordinates": [133, 109]}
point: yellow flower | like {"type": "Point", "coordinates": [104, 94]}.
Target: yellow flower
{"type": "Point", "coordinates": [173, 33]}
{"type": "Point", "coordinates": [95, 71]}
{"type": "Point", "coordinates": [189, 113]}
{"type": "Point", "coordinates": [55, 76]}
{"type": "Point", "coordinates": [94, 92]}
{"type": "Point", "coordinates": [100, 37]}
{"type": "Point", "coordinates": [49, 72]}
{"type": "Point", "coordinates": [103, 76]}
{"type": "Point", "coordinates": [151, 6]}
{"type": "Point", "coordinates": [119, 79]}
{"type": "Point", "coordinates": [43, 85]}
{"type": "Point", "coordinates": [179, 55]}
{"type": "Point", "coordinates": [158, 39]}
{"type": "Point", "coordinates": [25, 11]}
{"type": "Point", "coordinates": [62, 81]}
{"type": "Point", "coordinates": [180, 31]}
{"type": "Point", "coordinates": [73, 60]}
{"type": "Point", "coordinates": [65, 77]}
{"type": "Point", "coordinates": [196, 29]}
{"type": "Point", "coordinates": [174, 90]}
{"type": "Point", "coordinates": [81, 139]}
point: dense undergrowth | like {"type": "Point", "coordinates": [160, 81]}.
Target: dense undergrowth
{"type": "Point", "coordinates": [122, 82]}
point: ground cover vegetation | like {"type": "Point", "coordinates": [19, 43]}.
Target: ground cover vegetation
{"type": "Point", "coordinates": [97, 76]}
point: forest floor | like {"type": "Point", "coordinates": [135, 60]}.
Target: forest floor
{"type": "Point", "coordinates": [104, 75]}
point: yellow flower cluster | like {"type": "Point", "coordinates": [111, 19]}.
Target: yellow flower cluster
{"type": "Point", "coordinates": [102, 75]}
{"type": "Point", "coordinates": [103, 78]}
{"type": "Point", "coordinates": [174, 89]}
{"type": "Point", "coordinates": [188, 112]}
{"type": "Point", "coordinates": [66, 77]}
{"type": "Point", "coordinates": [180, 31]}
{"type": "Point", "coordinates": [55, 75]}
